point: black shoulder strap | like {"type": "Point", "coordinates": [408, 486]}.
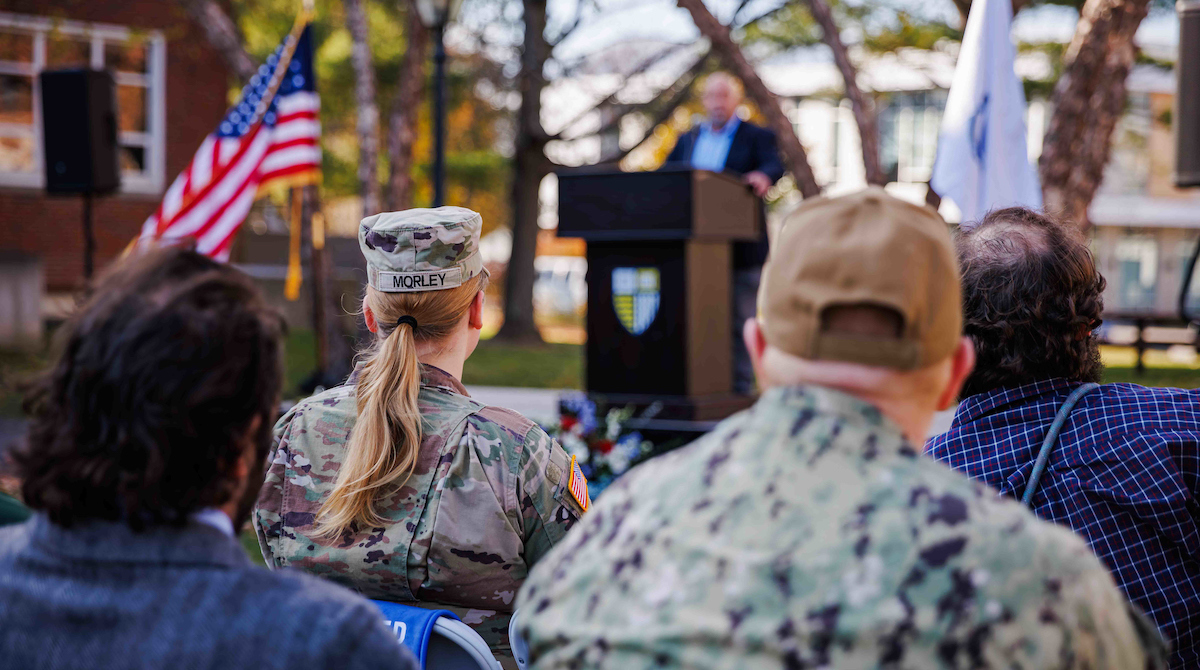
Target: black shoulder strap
{"type": "Point", "coordinates": [1051, 440]}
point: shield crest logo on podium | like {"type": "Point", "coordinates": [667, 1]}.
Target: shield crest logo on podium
{"type": "Point", "coordinates": [635, 297]}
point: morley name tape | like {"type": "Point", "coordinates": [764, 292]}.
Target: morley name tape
{"type": "Point", "coordinates": [406, 282]}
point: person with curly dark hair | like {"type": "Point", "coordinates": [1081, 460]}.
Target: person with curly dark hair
{"type": "Point", "coordinates": [144, 455]}
{"type": "Point", "coordinates": [1032, 299]}
{"type": "Point", "coordinates": [1123, 470]}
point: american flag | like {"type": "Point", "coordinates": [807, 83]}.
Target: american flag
{"type": "Point", "coordinates": [271, 135]}
{"type": "Point", "coordinates": [578, 486]}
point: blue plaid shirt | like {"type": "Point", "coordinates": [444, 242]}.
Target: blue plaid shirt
{"type": "Point", "coordinates": [1124, 476]}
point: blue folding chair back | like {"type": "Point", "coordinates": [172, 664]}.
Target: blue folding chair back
{"type": "Point", "coordinates": [520, 650]}
{"type": "Point", "coordinates": [437, 638]}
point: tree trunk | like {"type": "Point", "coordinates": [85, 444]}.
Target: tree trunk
{"type": "Point", "coordinates": [964, 6]}
{"type": "Point", "coordinates": [768, 103]}
{"type": "Point", "coordinates": [402, 122]}
{"type": "Point", "coordinates": [531, 166]}
{"type": "Point", "coordinates": [862, 106]}
{"type": "Point", "coordinates": [222, 34]}
{"type": "Point", "coordinates": [367, 125]}
{"type": "Point", "coordinates": [1088, 101]}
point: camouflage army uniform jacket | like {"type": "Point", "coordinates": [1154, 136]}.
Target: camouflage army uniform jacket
{"type": "Point", "coordinates": [487, 500]}
{"type": "Point", "coordinates": [806, 532]}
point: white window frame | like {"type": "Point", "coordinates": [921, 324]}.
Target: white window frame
{"type": "Point", "coordinates": [154, 142]}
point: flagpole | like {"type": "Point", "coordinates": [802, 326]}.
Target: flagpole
{"type": "Point", "coordinates": [321, 292]}
{"type": "Point", "coordinates": [325, 330]}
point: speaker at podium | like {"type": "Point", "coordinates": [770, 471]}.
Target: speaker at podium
{"type": "Point", "coordinates": [660, 300]}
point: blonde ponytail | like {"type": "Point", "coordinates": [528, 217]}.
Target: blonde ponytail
{"type": "Point", "coordinates": [386, 439]}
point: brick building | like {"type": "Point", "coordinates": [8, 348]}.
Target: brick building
{"type": "Point", "coordinates": [171, 91]}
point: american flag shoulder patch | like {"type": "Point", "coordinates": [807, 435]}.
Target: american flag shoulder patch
{"type": "Point", "coordinates": [578, 486]}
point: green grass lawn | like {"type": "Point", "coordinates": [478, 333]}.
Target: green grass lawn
{"type": "Point", "coordinates": [555, 366]}
{"type": "Point", "coordinates": [1160, 369]}
{"type": "Point", "coordinates": [299, 360]}
{"type": "Point", "coordinates": [560, 366]}
{"type": "Point", "coordinates": [250, 544]}
{"type": "Point", "coordinates": [16, 368]}
{"type": "Point", "coordinates": [1178, 377]}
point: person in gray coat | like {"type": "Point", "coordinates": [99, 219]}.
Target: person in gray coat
{"type": "Point", "coordinates": [145, 451]}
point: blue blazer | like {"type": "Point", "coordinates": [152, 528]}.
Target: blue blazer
{"type": "Point", "coordinates": [100, 596]}
{"type": "Point", "coordinates": [753, 148]}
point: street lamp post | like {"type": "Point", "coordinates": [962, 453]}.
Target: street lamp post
{"type": "Point", "coordinates": [435, 14]}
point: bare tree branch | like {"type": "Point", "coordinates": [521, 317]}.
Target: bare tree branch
{"type": "Point", "coordinates": [964, 7]}
{"type": "Point", "coordinates": [222, 34]}
{"type": "Point", "coordinates": [402, 121]}
{"type": "Point", "coordinates": [766, 15]}
{"type": "Point", "coordinates": [738, 12]}
{"type": "Point", "coordinates": [1088, 100]}
{"type": "Point", "coordinates": [767, 102]}
{"type": "Point", "coordinates": [567, 30]}
{"type": "Point", "coordinates": [675, 95]}
{"type": "Point", "coordinates": [681, 91]}
{"type": "Point", "coordinates": [862, 106]}
{"type": "Point", "coordinates": [611, 98]}
{"type": "Point", "coordinates": [367, 125]}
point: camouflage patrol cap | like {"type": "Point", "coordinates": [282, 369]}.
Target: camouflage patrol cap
{"type": "Point", "coordinates": [864, 249]}
{"type": "Point", "coordinates": [421, 249]}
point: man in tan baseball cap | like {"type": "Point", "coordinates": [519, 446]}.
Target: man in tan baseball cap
{"type": "Point", "coordinates": [861, 293]}
{"type": "Point", "coordinates": [809, 530]}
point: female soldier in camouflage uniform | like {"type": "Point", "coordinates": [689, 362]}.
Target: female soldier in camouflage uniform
{"type": "Point", "coordinates": [398, 484]}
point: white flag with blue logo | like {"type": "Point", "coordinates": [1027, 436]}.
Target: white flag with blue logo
{"type": "Point", "coordinates": [982, 159]}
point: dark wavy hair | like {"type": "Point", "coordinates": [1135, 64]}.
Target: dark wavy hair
{"type": "Point", "coordinates": [162, 370]}
{"type": "Point", "coordinates": [1032, 300]}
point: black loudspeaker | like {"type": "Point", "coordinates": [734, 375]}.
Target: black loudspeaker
{"type": "Point", "coordinates": [1187, 96]}
{"type": "Point", "coordinates": [79, 131]}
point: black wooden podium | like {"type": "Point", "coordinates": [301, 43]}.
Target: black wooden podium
{"type": "Point", "coordinates": [659, 284]}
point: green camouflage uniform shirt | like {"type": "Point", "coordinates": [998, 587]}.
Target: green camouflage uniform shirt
{"type": "Point", "coordinates": [807, 533]}
{"type": "Point", "coordinates": [487, 500]}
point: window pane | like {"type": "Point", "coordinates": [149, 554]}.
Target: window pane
{"type": "Point", "coordinates": [133, 159]}
{"type": "Point", "coordinates": [1186, 248]}
{"type": "Point", "coordinates": [16, 47]}
{"type": "Point", "coordinates": [16, 154]}
{"type": "Point", "coordinates": [16, 99]}
{"type": "Point", "coordinates": [131, 108]}
{"type": "Point", "coordinates": [66, 52]}
{"type": "Point", "coordinates": [125, 56]}
{"type": "Point", "coordinates": [1137, 271]}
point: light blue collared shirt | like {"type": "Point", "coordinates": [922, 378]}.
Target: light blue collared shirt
{"type": "Point", "coordinates": [712, 146]}
{"type": "Point", "coordinates": [215, 518]}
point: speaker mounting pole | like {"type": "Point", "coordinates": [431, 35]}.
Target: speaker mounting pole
{"type": "Point", "coordinates": [80, 149]}
{"type": "Point", "coordinates": [89, 237]}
